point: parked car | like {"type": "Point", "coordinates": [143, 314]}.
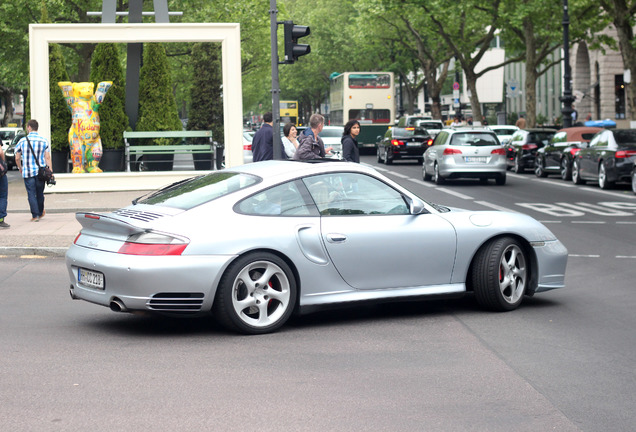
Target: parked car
{"type": "Point", "coordinates": [465, 152]}
{"type": "Point", "coordinates": [557, 156]}
{"type": "Point", "coordinates": [7, 134]}
{"type": "Point", "coordinates": [523, 146]}
{"type": "Point", "coordinates": [608, 159]}
{"type": "Point", "coordinates": [248, 136]}
{"type": "Point", "coordinates": [433, 127]}
{"type": "Point", "coordinates": [9, 153]}
{"type": "Point", "coordinates": [399, 143]}
{"type": "Point", "coordinates": [255, 243]}
{"type": "Point", "coordinates": [504, 132]}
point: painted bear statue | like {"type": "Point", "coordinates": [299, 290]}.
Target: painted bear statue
{"type": "Point", "coordinates": [83, 136]}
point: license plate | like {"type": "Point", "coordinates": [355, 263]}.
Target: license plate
{"type": "Point", "coordinates": [413, 144]}
{"type": "Point", "coordinates": [90, 278]}
{"type": "Point", "coordinates": [478, 159]}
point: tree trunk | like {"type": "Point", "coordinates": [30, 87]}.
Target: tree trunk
{"type": "Point", "coordinates": [434, 85]}
{"type": "Point", "coordinates": [471, 80]}
{"type": "Point", "coordinates": [530, 88]}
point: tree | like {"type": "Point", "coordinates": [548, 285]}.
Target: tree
{"type": "Point", "coordinates": [623, 15]}
{"type": "Point", "coordinates": [60, 113]}
{"type": "Point", "coordinates": [106, 66]}
{"type": "Point", "coordinates": [157, 106]}
{"type": "Point", "coordinates": [206, 110]}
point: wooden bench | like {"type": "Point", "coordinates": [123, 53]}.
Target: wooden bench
{"type": "Point", "coordinates": [140, 150]}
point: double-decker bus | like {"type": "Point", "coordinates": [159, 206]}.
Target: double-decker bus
{"type": "Point", "coordinates": [289, 112]}
{"type": "Point", "coordinates": [364, 96]}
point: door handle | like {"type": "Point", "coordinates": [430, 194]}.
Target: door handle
{"type": "Point", "coordinates": [336, 238]}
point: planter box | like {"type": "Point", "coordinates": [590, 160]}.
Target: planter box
{"type": "Point", "coordinates": [113, 160]}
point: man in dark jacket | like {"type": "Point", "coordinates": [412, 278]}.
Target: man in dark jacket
{"type": "Point", "coordinates": [312, 146]}
{"type": "Point", "coordinates": [263, 141]}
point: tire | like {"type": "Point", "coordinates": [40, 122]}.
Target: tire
{"type": "Point", "coordinates": [500, 179]}
{"type": "Point", "coordinates": [566, 169]}
{"type": "Point", "coordinates": [248, 303]}
{"type": "Point", "coordinates": [539, 169]}
{"type": "Point", "coordinates": [634, 181]}
{"type": "Point", "coordinates": [437, 177]}
{"type": "Point", "coordinates": [378, 155]}
{"type": "Point", "coordinates": [425, 175]}
{"type": "Point", "coordinates": [499, 274]}
{"type": "Point", "coordinates": [518, 168]}
{"type": "Point", "coordinates": [387, 161]}
{"type": "Point", "coordinates": [576, 175]}
{"type": "Point", "coordinates": [603, 183]}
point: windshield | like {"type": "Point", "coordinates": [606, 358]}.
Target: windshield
{"type": "Point", "coordinates": [6, 135]}
{"type": "Point", "coordinates": [430, 125]}
{"type": "Point", "coordinates": [199, 190]}
{"type": "Point", "coordinates": [331, 132]}
{"type": "Point", "coordinates": [504, 131]}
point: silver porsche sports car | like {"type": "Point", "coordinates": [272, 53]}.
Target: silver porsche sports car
{"type": "Point", "coordinates": [252, 244]}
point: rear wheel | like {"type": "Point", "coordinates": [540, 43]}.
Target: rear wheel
{"type": "Point", "coordinates": [576, 174]}
{"type": "Point", "coordinates": [634, 181]}
{"type": "Point", "coordinates": [256, 294]}
{"type": "Point", "coordinates": [437, 176]}
{"type": "Point", "coordinates": [378, 155]}
{"type": "Point", "coordinates": [566, 170]}
{"type": "Point", "coordinates": [387, 160]}
{"type": "Point", "coordinates": [603, 182]}
{"type": "Point", "coordinates": [518, 167]}
{"type": "Point", "coordinates": [499, 274]}
{"type": "Point", "coordinates": [539, 168]}
{"type": "Point", "coordinates": [500, 179]}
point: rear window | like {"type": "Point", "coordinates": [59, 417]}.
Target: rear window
{"type": "Point", "coordinates": [504, 131]}
{"type": "Point", "coordinates": [199, 190]}
{"type": "Point", "coordinates": [430, 125]}
{"type": "Point", "coordinates": [331, 133]}
{"type": "Point", "coordinates": [477, 139]}
{"type": "Point", "coordinates": [625, 136]}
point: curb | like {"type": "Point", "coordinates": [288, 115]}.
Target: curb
{"type": "Point", "coordinates": [38, 251]}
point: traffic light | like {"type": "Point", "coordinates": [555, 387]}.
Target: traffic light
{"type": "Point", "coordinates": [293, 50]}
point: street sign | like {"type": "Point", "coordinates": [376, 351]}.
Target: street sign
{"type": "Point", "coordinates": [512, 88]}
{"type": "Point", "coordinates": [455, 85]}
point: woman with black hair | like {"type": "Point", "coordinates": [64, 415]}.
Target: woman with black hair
{"type": "Point", "coordinates": [350, 151]}
{"type": "Point", "coordinates": [290, 143]}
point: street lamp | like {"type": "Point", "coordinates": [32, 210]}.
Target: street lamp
{"type": "Point", "coordinates": [567, 98]}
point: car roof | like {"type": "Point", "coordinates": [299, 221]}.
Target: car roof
{"type": "Point", "coordinates": [576, 133]}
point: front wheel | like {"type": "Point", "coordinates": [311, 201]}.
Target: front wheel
{"type": "Point", "coordinates": [256, 294]}
{"type": "Point", "coordinates": [603, 182]}
{"type": "Point", "coordinates": [499, 274]}
{"type": "Point", "coordinates": [566, 170]}
{"type": "Point", "coordinates": [539, 168]}
{"type": "Point", "coordinates": [576, 174]}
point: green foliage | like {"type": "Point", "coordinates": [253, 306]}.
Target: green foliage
{"type": "Point", "coordinates": [206, 110]}
{"type": "Point", "coordinates": [60, 114]}
{"type": "Point", "coordinates": [157, 106]}
{"type": "Point", "coordinates": [106, 66]}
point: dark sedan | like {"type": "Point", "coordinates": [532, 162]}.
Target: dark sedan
{"type": "Point", "coordinates": [607, 160]}
{"type": "Point", "coordinates": [523, 146]}
{"type": "Point", "coordinates": [9, 154]}
{"type": "Point", "coordinates": [401, 143]}
{"type": "Point", "coordinates": [558, 155]}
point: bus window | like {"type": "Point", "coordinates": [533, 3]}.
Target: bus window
{"type": "Point", "coordinates": [369, 81]}
{"type": "Point", "coordinates": [370, 115]}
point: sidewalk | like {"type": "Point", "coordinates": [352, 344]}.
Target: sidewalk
{"type": "Point", "coordinates": [55, 232]}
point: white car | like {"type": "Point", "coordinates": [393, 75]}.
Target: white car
{"type": "Point", "coordinates": [504, 132]}
{"type": "Point", "coordinates": [7, 134]}
{"type": "Point", "coordinates": [433, 127]}
{"type": "Point", "coordinates": [332, 136]}
{"type": "Point", "coordinates": [248, 136]}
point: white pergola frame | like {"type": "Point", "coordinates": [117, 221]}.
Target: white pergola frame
{"type": "Point", "coordinates": [41, 35]}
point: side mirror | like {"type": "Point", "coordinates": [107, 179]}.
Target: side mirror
{"type": "Point", "coordinates": [416, 206]}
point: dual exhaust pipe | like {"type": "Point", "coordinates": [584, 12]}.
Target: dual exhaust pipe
{"type": "Point", "coordinates": [116, 305]}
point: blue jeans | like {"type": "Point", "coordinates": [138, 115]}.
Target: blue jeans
{"type": "Point", "coordinates": [4, 193]}
{"type": "Point", "coordinates": [35, 194]}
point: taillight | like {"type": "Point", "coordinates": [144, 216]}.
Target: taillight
{"type": "Point", "coordinates": [625, 154]}
{"type": "Point", "coordinates": [247, 147]}
{"type": "Point", "coordinates": [397, 142]}
{"type": "Point", "coordinates": [429, 142]}
{"type": "Point", "coordinates": [574, 151]}
{"type": "Point", "coordinates": [529, 146]}
{"type": "Point", "coordinates": [450, 151]}
{"type": "Point", "coordinates": [91, 216]}
{"type": "Point", "coordinates": [149, 243]}
{"type": "Point", "coordinates": [499, 151]}
{"type": "Point", "coordinates": [77, 238]}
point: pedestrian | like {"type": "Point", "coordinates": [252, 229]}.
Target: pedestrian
{"type": "Point", "coordinates": [589, 117]}
{"type": "Point", "coordinates": [311, 146]}
{"type": "Point", "coordinates": [290, 140]}
{"type": "Point", "coordinates": [350, 151]}
{"type": "Point", "coordinates": [263, 141]}
{"type": "Point", "coordinates": [4, 194]}
{"type": "Point", "coordinates": [457, 121]}
{"type": "Point", "coordinates": [27, 150]}
{"type": "Point", "coordinates": [484, 122]}
{"type": "Point", "coordinates": [521, 122]}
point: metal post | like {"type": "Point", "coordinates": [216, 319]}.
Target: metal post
{"type": "Point", "coordinates": [275, 85]}
{"type": "Point", "coordinates": [458, 112]}
{"type": "Point", "coordinates": [567, 98]}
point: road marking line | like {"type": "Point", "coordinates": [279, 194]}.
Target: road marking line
{"type": "Point", "coordinates": [626, 222]}
{"type": "Point", "coordinates": [545, 221]}
{"type": "Point", "coordinates": [496, 207]}
{"type": "Point", "coordinates": [589, 222]}
{"type": "Point", "coordinates": [583, 256]}
{"type": "Point", "coordinates": [422, 182]}
{"type": "Point", "coordinates": [557, 183]}
{"type": "Point", "coordinates": [457, 194]}
{"type": "Point", "coordinates": [626, 256]}
{"type": "Point", "coordinates": [400, 175]}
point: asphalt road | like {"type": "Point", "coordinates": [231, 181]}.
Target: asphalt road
{"type": "Point", "coordinates": [563, 361]}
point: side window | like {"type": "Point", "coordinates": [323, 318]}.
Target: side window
{"type": "Point", "coordinates": [597, 141]}
{"type": "Point", "coordinates": [339, 194]}
{"type": "Point", "coordinates": [559, 137]}
{"type": "Point", "coordinates": [440, 139]}
{"type": "Point", "coordinates": [282, 200]}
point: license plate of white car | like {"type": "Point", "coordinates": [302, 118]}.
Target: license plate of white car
{"type": "Point", "coordinates": [473, 159]}
{"type": "Point", "coordinates": [90, 278]}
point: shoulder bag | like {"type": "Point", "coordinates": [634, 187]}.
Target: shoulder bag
{"type": "Point", "coordinates": [44, 172]}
